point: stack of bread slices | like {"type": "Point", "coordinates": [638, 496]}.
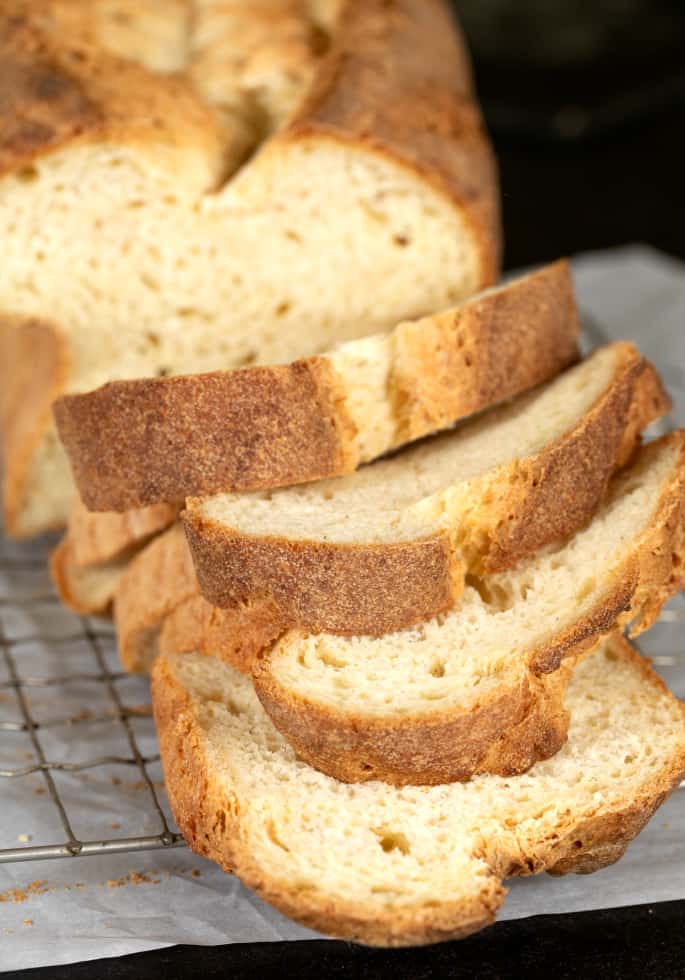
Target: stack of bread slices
{"type": "Point", "coordinates": [373, 525]}
{"type": "Point", "coordinates": [385, 634]}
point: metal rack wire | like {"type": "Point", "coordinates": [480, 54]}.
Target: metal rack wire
{"type": "Point", "coordinates": [96, 643]}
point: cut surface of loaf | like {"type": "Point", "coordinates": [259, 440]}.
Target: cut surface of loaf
{"type": "Point", "coordinates": [434, 703]}
{"type": "Point", "coordinates": [131, 443]}
{"type": "Point", "coordinates": [227, 185]}
{"type": "Point", "coordinates": [88, 563]}
{"type": "Point", "coordinates": [158, 608]}
{"type": "Point", "coordinates": [389, 545]}
{"type": "Point", "coordinates": [395, 867]}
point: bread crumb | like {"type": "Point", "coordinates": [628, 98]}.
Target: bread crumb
{"type": "Point", "coordinates": [19, 895]}
{"type": "Point", "coordinates": [40, 791]}
{"type": "Point", "coordinates": [84, 715]}
{"type": "Point", "coordinates": [195, 873]}
{"type": "Point", "coordinates": [116, 781]}
{"type": "Point", "coordinates": [139, 710]}
{"type": "Point", "coordinates": [27, 922]}
{"type": "Point", "coordinates": [115, 826]}
{"type": "Point", "coordinates": [24, 838]}
{"type": "Point", "coordinates": [133, 878]}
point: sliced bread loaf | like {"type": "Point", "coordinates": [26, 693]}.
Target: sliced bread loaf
{"type": "Point", "coordinates": [132, 443]}
{"type": "Point", "coordinates": [216, 185]}
{"type": "Point", "coordinates": [388, 546]}
{"type": "Point", "coordinates": [396, 867]}
{"type": "Point", "coordinates": [432, 704]}
{"type": "Point", "coordinates": [87, 564]}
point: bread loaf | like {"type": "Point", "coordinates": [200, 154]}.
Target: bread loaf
{"type": "Point", "coordinates": [189, 186]}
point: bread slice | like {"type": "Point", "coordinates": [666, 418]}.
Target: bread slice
{"type": "Point", "coordinates": [219, 185]}
{"type": "Point", "coordinates": [388, 546]}
{"type": "Point", "coordinates": [397, 867]}
{"type": "Point", "coordinates": [132, 443]}
{"type": "Point", "coordinates": [158, 607]}
{"type": "Point", "coordinates": [433, 704]}
{"type": "Point", "coordinates": [87, 564]}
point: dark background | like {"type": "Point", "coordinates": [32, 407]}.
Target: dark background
{"type": "Point", "coordinates": [585, 102]}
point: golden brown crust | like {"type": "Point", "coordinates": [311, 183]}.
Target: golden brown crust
{"type": "Point", "coordinates": [158, 580]}
{"type": "Point", "coordinates": [158, 608]}
{"type": "Point", "coordinates": [88, 563]}
{"type": "Point", "coordinates": [86, 590]}
{"type": "Point", "coordinates": [557, 491]}
{"type": "Point", "coordinates": [133, 442]}
{"type": "Point", "coordinates": [34, 366]}
{"type": "Point", "coordinates": [379, 588]}
{"type": "Point", "coordinates": [97, 538]}
{"type": "Point", "coordinates": [59, 87]}
{"type": "Point", "coordinates": [418, 109]}
{"type": "Point", "coordinates": [345, 589]}
{"type": "Point", "coordinates": [455, 744]}
{"type": "Point", "coordinates": [490, 349]}
{"type": "Point", "coordinates": [214, 822]}
{"type": "Point", "coordinates": [235, 636]}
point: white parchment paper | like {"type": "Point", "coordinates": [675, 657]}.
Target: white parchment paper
{"type": "Point", "coordinates": [63, 911]}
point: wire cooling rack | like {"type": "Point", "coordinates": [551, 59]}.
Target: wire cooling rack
{"type": "Point", "coordinates": [62, 699]}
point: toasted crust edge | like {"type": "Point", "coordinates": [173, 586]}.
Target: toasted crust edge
{"type": "Point", "coordinates": [133, 443]}
{"type": "Point", "coordinates": [379, 588]}
{"type": "Point", "coordinates": [211, 823]}
{"type": "Point", "coordinates": [71, 581]}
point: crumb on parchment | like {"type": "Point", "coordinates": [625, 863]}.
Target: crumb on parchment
{"type": "Point", "coordinates": [133, 878]}
{"type": "Point", "coordinates": [19, 895]}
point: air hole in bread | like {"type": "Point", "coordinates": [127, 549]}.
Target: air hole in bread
{"type": "Point", "coordinates": [438, 668]}
{"type": "Point", "coordinates": [330, 660]}
{"type": "Point", "coordinates": [273, 835]}
{"type": "Point", "coordinates": [27, 175]}
{"type": "Point", "coordinates": [586, 589]}
{"type": "Point", "coordinates": [401, 240]}
{"type": "Point", "coordinates": [283, 308]}
{"type": "Point", "coordinates": [151, 283]}
{"type": "Point", "coordinates": [491, 593]}
{"type": "Point", "coordinates": [392, 840]}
